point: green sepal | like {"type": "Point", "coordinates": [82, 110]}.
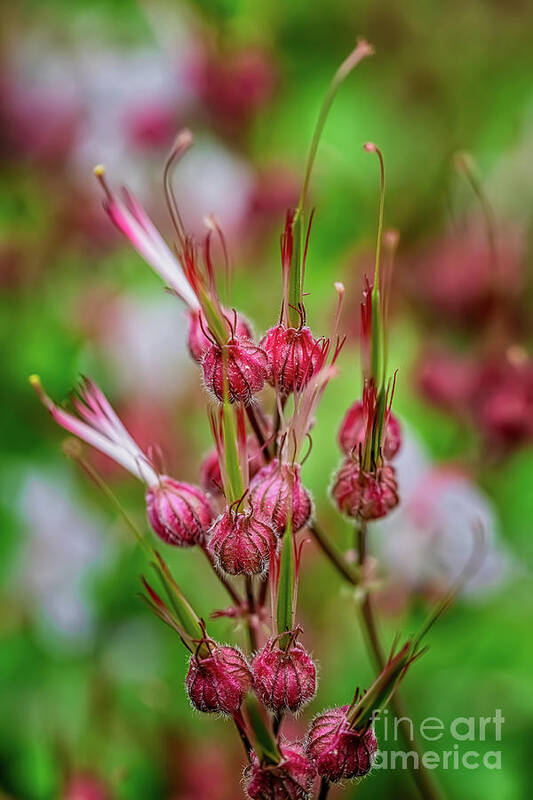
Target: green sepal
{"type": "Point", "coordinates": [264, 743]}
{"type": "Point", "coordinates": [186, 617]}
{"type": "Point", "coordinates": [296, 269]}
{"type": "Point", "coordinates": [216, 323]}
{"type": "Point", "coordinates": [287, 573]}
{"type": "Point", "coordinates": [235, 489]}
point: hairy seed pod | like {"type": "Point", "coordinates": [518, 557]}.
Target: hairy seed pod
{"type": "Point", "coordinates": [241, 542]}
{"type": "Point", "coordinates": [284, 680]}
{"type": "Point", "coordinates": [294, 355]}
{"type": "Point", "coordinates": [217, 684]}
{"type": "Point", "coordinates": [367, 495]}
{"type": "Point", "coordinates": [337, 751]}
{"type": "Point", "coordinates": [291, 779]}
{"type": "Point", "coordinates": [179, 513]}
{"type": "Point", "coordinates": [245, 365]}
{"type": "Point", "coordinates": [198, 342]}
{"type": "Point", "coordinates": [353, 428]}
{"type": "Point", "coordinates": [270, 493]}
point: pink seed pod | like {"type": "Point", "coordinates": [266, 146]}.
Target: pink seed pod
{"type": "Point", "coordinates": [367, 495]}
{"type": "Point", "coordinates": [246, 366]}
{"type": "Point", "coordinates": [270, 494]}
{"type": "Point", "coordinates": [353, 428]}
{"type": "Point", "coordinates": [284, 680]}
{"type": "Point", "coordinates": [294, 355]}
{"type": "Point", "coordinates": [179, 513]}
{"type": "Point", "coordinates": [198, 342]}
{"type": "Point", "coordinates": [217, 684]}
{"type": "Point", "coordinates": [337, 751]}
{"type": "Point", "coordinates": [241, 542]}
{"type": "Point", "coordinates": [291, 779]}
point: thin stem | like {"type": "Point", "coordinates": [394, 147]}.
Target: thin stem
{"type": "Point", "coordinates": [237, 599]}
{"type": "Point", "coordinates": [347, 570]}
{"type": "Point", "coordinates": [256, 427]}
{"type": "Point", "coordinates": [252, 632]}
{"type": "Point", "coordinates": [421, 777]}
{"type": "Point", "coordinates": [73, 450]}
{"type": "Point", "coordinates": [277, 424]}
{"type": "Point", "coordinates": [239, 724]}
{"type": "Point", "coordinates": [324, 789]}
{"type": "Point", "coordinates": [263, 589]}
{"type": "Point", "coordinates": [276, 723]}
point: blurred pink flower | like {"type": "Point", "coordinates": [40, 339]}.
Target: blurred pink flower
{"type": "Point", "coordinates": [428, 540]}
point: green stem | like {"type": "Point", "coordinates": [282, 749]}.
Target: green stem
{"type": "Point", "coordinates": [225, 583]}
{"type": "Point", "coordinates": [427, 789]}
{"type": "Point", "coordinates": [347, 570]}
{"type": "Point", "coordinates": [252, 632]}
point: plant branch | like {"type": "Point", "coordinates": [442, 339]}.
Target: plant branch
{"type": "Point", "coordinates": [347, 570]}
{"type": "Point", "coordinates": [237, 599]}
{"type": "Point", "coordinates": [252, 632]}
{"type": "Point", "coordinates": [324, 789]}
{"type": "Point", "coordinates": [427, 788]}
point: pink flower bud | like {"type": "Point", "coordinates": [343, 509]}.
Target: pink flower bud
{"type": "Point", "coordinates": [294, 355]}
{"type": "Point", "coordinates": [198, 342]}
{"type": "Point", "coordinates": [179, 513]}
{"type": "Point", "coordinates": [291, 779]}
{"type": "Point", "coordinates": [85, 786]}
{"type": "Point", "coordinates": [337, 751]}
{"type": "Point", "coordinates": [242, 541]}
{"type": "Point", "coordinates": [270, 494]}
{"type": "Point", "coordinates": [353, 428]}
{"type": "Point", "coordinates": [217, 684]}
{"type": "Point", "coordinates": [368, 495]}
{"type": "Point", "coordinates": [284, 680]}
{"type": "Point", "coordinates": [246, 366]}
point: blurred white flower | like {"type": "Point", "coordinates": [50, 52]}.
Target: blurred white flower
{"type": "Point", "coordinates": [63, 544]}
{"type": "Point", "coordinates": [429, 538]}
{"type": "Point", "coordinates": [211, 180]}
{"type": "Point", "coordinates": [145, 340]}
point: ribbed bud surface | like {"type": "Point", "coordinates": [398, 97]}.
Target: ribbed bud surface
{"type": "Point", "coordinates": [294, 355]}
{"type": "Point", "coordinates": [337, 752]}
{"type": "Point", "coordinates": [241, 542]}
{"type": "Point", "coordinates": [270, 493]}
{"type": "Point", "coordinates": [368, 495]}
{"type": "Point", "coordinates": [179, 513]}
{"type": "Point", "coordinates": [246, 367]}
{"type": "Point", "coordinates": [284, 680]}
{"type": "Point", "coordinates": [218, 683]}
{"type": "Point", "coordinates": [291, 779]}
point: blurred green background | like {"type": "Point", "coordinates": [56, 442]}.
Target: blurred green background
{"type": "Point", "coordinates": [92, 685]}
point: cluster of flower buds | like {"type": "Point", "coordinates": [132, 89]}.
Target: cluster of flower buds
{"type": "Point", "coordinates": [253, 477]}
